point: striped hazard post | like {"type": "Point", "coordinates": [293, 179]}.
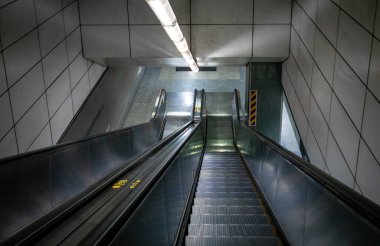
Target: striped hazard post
{"type": "Point", "coordinates": [252, 108]}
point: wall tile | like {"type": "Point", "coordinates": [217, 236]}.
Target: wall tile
{"type": "Point", "coordinates": [272, 11]}
{"type": "Point", "coordinates": [368, 174]}
{"type": "Point", "coordinates": [363, 11]}
{"type": "Point", "coordinates": [103, 12]}
{"type": "Point", "coordinates": [58, 92]}
{"type": "Point", "coordinates": [26, 91]}
{"type": "Point", "coordinates": [371, 123]}
{"type": "Point", "coordinates": [8, 145]}
{"type": "Point", "coordinates": [140, 12]}
{"type": "Point", "coordinates": [337, 165]}
{"type": "Point", "coordinates": [221, 12]}
{"type": "Point", "coordinates": [207, 41]}
{"type": "Point", "coordinates": [374, 70]}
{"type": "Point", "coordinates": [313, 151]}
{"type": "Point", "coordinates": [4, 2]}
{"type": "Point", "coordinates": [51, 33]}
{"type": "Point", "coordinates": [74, 44]}
{"type": "Point", "coordinates": [296, 17]}
{"type": "Point", "coordinates": [3, 81]}
{"type": "Point", "coordinates": [327, 19]}
{"type": "Point", "coordinates": [6, 120]}
{"type": "Point", "coordinates": [322, 92]}
{"type": "Point", "coordinates": [288, 87]}
{"type": "Point", "coordinates": [31, 124]}
{"type": "Point", "coordinates": [350, 91]}
{"type": "Point", "coordinates": [43, 140]}
{"type": "Point", "coordinates": [305, 63]}
{"type": "Point", "coordinates": [21, 56]}
{"type": "Point", "coordinates": [377, 24]}
{"type": "Point", "coordinates": [271, 41]}
{"type": "Point", "coordinates": [80, 92]}
{"type": "Point", "coordinates": [94, 74]}
{"type": "Point", "coordinates": [61, 119]}
{"type": "Point", "coordinates": [46, 9]}
{"type": "Point", "coordinates": [344, 132]}
{"type": "Point", "coordinates": [66, 2]}
{"type": "Point", "coordinates": [106, 41]}
{"type": "Point", "coordinates": [301, 121]}
{"type": "Point", "coordinates": [71, 17]}
{"type": "Point", "coordinates": [77, 69]}
{"type": "Point", "coordinates": [292, 68]}
{"type": "Point", "coordinates": [324, 55]}
{"type": "Point", "coordinates": [307, 32]}
{"type": "Point", "coordinates": [354, 43]}
{"type": "Point", "coordinates": [303, 93]}
{"type": "Point", "coordinates": [12, 27]}
{"type": "Point", "coordinates": [294, 41]}
{"type": "Point", "coordinates": [318, 125]}
{"type": "Point", "coordinates": [54, 63]}
{"type": "Point", "coordinates": [310, 6]}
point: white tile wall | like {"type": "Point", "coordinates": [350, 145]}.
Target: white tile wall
{"type": "Point", "coordinates": [348, 86]}
{"type": "Point", "coordinates": [374, 71]}
{"type": "Point", "coordinates": [345, 88]}
{"type": "Point", "coordinates": [322, 92]}
{"type": "Point", "coordinates": [303, 92]}
{"type": "Point", "coordinates": [337, 164]}
{"type": "Point", "coordinates": [354, 44]}
{"type": "Point", "coordinates": [26, 91]}
{"type": "Point", "coordinates": [40, 64]}
{"type": "Point", "coordinates": [368, 174]}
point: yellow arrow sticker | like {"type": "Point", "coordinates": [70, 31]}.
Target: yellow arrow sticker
{"type": "Point", "coordinates": [119, 184]}
{"type": "Point", "coordinates": [135, 184]}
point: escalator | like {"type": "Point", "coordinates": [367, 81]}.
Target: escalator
{"type": "Point", "coordinates": [214, 181]}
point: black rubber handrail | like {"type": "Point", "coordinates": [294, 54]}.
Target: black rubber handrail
{"type": "Point", "coordinates": [43, 224]}
{"type": "Point", "coordinates": [365, 207]}
{"type": "Point", "coordinates": [184, 222]}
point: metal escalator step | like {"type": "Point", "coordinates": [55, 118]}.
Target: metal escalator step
{"type": "Point", "coordinates": [225, 178]}
{"type": "Point", "coordinates": [228, 219]}
{"type": "Point", "coordinates": [227, 202]}
{"type": "Point", "coordinates": [226, 195]}
{"type": "Point", "coordinates": [225, 189]}
{"type": "Point", "coordinates": [228, 241]}
{"type": "Point", "coordinates": [205, 209]}
{"type": "Point", "coordinates": [232, 230]}
{"type": "Point", "coordinates": [224, 182]}
{"type": "Point", "coordinates": [223, 172]}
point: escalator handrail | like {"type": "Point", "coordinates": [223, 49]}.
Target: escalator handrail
{"type": "Point", "coordinates": [51, 149]}
{"type": "Point", "coordinates": [42, 224]}
{"type": "Point", "coordinates": [367, 208]}
{"type": "Point", "coordinates": [194, 104]}
{"type": "Point", "coordinates": [183, 225]}
{"type": "Point", "coordinates": [102, 239]}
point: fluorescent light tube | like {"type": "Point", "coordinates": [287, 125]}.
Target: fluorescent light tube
{"type": "Point", "coordinates": [163, 11]}
{"type": "Point", "coordinates": [166, 16]}
{"type": "Point", "coordinates": [174, 32]}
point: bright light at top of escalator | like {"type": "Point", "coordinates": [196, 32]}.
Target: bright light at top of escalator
{"type": "Point", "coordinates": [166, 16]}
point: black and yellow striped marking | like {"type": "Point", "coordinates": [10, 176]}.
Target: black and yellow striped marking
{"type": "Point", "coordinates": [252, 108]}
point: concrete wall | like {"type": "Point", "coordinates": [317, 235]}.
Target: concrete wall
{"type": "Point", "coordinates": [217, 31]}
{"type": "Point", "coordinates": [332, 82]}
{"type": "Point", "coordinates": [43, 76]}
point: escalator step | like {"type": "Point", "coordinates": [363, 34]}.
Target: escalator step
{"type": "Point", "coordinates": [224, 189]}
{"type": "Point", "coordinates": [231, 230]}
{"type": "Point", "coordinates": [204, 209]}
{"type": "Point", "coordinates": [229, 219]}
{"type": "Point", "coordinates": [227, 202]}
{"type": "Point", "coordinates": [226, 195]}
{"type": "Point", "coordinates": [227, 241]}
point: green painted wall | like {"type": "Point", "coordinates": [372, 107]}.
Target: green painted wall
{"type": "Point", "coordinates": [265, 77]}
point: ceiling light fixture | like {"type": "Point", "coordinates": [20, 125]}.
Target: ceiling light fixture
{"type": "Point", "coordinates": [166, 16]}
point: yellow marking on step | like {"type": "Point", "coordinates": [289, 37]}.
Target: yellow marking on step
{"type": "Point", "coordinates": [135, 184]}
{"type": "Point", "coordinates": [119, 184]}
